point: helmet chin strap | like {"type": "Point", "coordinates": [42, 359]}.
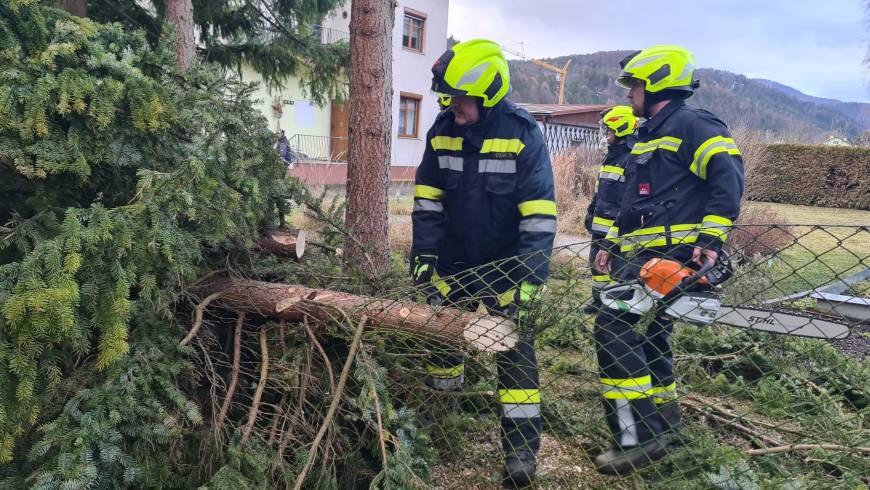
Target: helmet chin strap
{"type": "Point", "coordinates": [652, 98]}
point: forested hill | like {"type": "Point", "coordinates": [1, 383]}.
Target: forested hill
{"type": "Point", "coordinates": [759, 104]}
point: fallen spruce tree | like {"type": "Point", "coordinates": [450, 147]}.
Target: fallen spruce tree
{"type": "Point", "coordinates": [127, 189]}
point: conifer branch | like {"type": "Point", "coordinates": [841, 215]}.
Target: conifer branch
{"type": "Point", "coordinates": [333, 406]}
{"type": "Point", "coordinates": [234, 376]}
{"type": "Point", "coordinates": [261, 387]}
{"type": "Point", "coordinates": [197, 322]}
{"type": "Point", "coordinates": [807, 447]}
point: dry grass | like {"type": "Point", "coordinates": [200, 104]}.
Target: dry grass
{"type": "Point", "coordinates": [753, 149]}
{"type": "Point", "coordinates": [400, 233]}
{"type": "Point", "coordinates": [756, 238]}
{"type": "Point", "coordinates": [400, 205]}
{"type": "Point", "coordinates": [575, 174]}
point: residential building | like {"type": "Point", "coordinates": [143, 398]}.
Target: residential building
{"type": "Point", "coordinates": [834, 140]}
{"type": "Point", "coordinates": [319, 135]}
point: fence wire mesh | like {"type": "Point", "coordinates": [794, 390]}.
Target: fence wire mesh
{"type": "Point", "coordinates": [435, 396]}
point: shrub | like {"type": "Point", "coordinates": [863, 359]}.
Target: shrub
{"type": "Point", "coordinates": [813, 176]}
{"type": "Point", "coordinates": [759, 232]}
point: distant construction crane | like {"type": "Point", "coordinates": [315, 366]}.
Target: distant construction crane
{"type": "Point", "coordinates": [561, 73]}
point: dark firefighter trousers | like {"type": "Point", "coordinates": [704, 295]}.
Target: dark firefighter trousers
{"type": "Point", "coordinates": [518, 381]}
{"type": "Point", "coordinates": [599, 279]}
{"type": "Point", "coordinates": [635, 365]}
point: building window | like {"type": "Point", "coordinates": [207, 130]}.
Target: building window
{"type": "Point", "coordinates": [409, 115]}
{"type": "Point", "coordinates": [412, 32]}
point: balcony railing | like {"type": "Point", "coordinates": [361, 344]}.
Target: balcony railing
{"type": "Point", "coordinates": [304, 147]}
{"type": "Point", "coordinates": [329, 35]}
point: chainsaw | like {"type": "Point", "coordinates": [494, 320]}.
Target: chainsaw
{"type": "Point", "coordinates": [666, 287]}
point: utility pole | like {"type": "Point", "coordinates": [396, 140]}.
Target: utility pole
{"type": "Point", "coordinates": [371, 121]}
{"type": "Point", "coordinates": [562, 73]}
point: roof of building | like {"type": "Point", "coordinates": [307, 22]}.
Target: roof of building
{"type": "Point", "coordinates": [563, 109]}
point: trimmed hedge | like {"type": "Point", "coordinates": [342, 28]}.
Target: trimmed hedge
{"type": "Point", "coordinates": [827, 176]}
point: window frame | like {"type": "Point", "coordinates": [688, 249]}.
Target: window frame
{"type": "Point", "coordinates": [419, 16]}
{"type": "Point", "coordinates": [418, 100]}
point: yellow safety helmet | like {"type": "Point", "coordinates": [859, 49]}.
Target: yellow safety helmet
{"type": "Point", "coordinates": [662, 67]}
{"type": "Point", "coordinates": [476, 68]}
{"type": "Point", "coordinates": [620, 119]}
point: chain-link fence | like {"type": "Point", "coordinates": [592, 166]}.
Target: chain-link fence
{"type": "Point", "coordinates": [693, 388]}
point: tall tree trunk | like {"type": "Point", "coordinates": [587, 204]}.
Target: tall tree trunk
{"type": "Point", "coordinates": [75, 7]}
{"type": "Point", "coordinates": [371, 96]}
{"type": "Point", "coordinates": [179, 13]}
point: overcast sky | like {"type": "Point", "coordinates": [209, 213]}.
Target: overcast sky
{"type": "Point", "coordinates": [816, 46]}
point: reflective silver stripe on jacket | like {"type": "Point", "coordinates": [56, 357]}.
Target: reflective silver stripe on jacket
{"type": "Point", "coordinates": [521, 410]}
{"type": "Point", "coordinates": [450, 162]}
{"type": "Point", "coordinates": [611, 176]}
{"type": "Point", "coordinates": [715, 226]}
{"type": "Point", "coordinates": [497, 166]}
{"type": "Point", "coordinates": [427, 205]}
{"type": "Point", "coordinates": [539, 225]}
{"type": "Point", "coordinates": [600, 228]}
{"type": "Point", "coordinates": [447, 384]}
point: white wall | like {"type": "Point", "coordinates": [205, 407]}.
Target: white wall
{"type": "Point", "coordinates": [301, 116]}
{"type": "Point", "coordinates": [412, 72]}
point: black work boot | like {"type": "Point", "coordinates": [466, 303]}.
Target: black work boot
{"type": "Point", "coordinates": [627, 460]}
{"type": "Point", "coordinates": [519, 469]}
{"type": "Point", "coordinates": [671, 422]}
{"type": "Point", "coordinates": [670, 413]}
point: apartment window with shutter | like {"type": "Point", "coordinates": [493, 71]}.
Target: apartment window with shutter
{"type": "Point", "coordinates": [409, 115]}
{"type": "Point", "coordinates": [412, 32]}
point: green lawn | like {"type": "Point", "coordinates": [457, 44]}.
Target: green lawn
{"type": "Point", "coordinates": [811, 215]}
{"type": "Point", "coordinates": [835, 247]}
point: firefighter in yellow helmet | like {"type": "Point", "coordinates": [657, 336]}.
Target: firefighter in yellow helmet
{"type": "Point", "coordinates": [617, 128]}
{"type": "Point", "coordinates": [484, 221]}
{"type": "Point", "coordinates": [684, 182]}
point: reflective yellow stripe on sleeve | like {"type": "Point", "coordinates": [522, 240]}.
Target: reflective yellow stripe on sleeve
{"type": "Point", "coordinates": [428, 192]}
{"type": "Point", "coordinates": [714, 145]}
{"type": "Point", "coordinates": [541, 206]}
{"type": "Point", "coordinates": [716, 226]}
{"type": "Point", "coordinates": [501, 145]}
{"type": "Point", "coordinates": [446, 143]}
{"type": "Point", "coordinates": [519, 396]}
{"type": "Point", "coordinates": [445, 372]}
{"type": "Point", "coordinates": [612, 169]}
{"type": "Point", "coordinates": [665, 143]}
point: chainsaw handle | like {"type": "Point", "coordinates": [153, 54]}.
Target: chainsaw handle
{"type": "Point", "coordinates": [619, 285]}
{"type": "Point", "coordinates": [688, 282]}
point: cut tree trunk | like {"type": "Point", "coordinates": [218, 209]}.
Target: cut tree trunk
{"type": "Point", "coordinates": [286, 243]}
{"type": "Point", "coordinates": [293, 303]}
{"type": "Point", "coordinates": [179, 13]}
{"type": "Point", "coordinates": [370, 127]}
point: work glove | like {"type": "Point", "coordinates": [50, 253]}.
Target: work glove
{"type": "Point", "coordinates": [422, 270]}
{"type": "Point", "coordinates": [517, 303]}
